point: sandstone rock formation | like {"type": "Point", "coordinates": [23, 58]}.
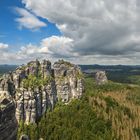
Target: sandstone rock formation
{"type": "Point", "coordinates": [24, 137]}
{"type": "Point", "coordinates": [8, 123]}
{"type": "Point", "coordinates": [68, 79]}
{"type": "Point", "coordinates": [101, 78]}
{"type": "Point", "coordinates": [37, 87]}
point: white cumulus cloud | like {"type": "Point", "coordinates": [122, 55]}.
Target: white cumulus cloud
{"type": "Point", "coordinates": [58, 47]}
{"type": "Point", "coordinates": [28, 20]}
{"type": "Point", "coordinates": [102, 28]}
{"type": "Point", "coordinates": [3, 46]}
{"type": "Point", "coordinates": [49, 48]}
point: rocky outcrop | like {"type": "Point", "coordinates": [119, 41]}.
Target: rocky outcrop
{"type": "Point", "coordinates": [35, 90]}
{"type": "Point", "coordinates": [68, 79]}
{"type": "Point", "coordinates": [37, 87]}
{"type": "Point", "coordinates": [8, 123]}
{"type": "Point", "coordinates": [101, 78]}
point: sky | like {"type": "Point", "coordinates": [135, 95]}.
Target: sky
{"type": "Point", "coordinates": [81, 31]}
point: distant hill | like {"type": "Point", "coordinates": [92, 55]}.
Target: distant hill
{"type": "Point", "coordinates": [116, 73]}
{"type": "Point", "coordinates": [110, 67]}
{"type": "Point", "coordinates": [7, 68]}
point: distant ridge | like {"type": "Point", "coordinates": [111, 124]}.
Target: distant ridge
{"type": "Point", "coordinates": [5, 68]}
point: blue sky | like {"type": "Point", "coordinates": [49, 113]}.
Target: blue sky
{"type": "Point", "coordinates": [83, 32]}
{"type": "Point", "coordinates": [15, 37]}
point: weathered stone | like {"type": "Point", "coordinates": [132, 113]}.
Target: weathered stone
{"type": "Point", "coordinates": [63, 84]}
{"type": "Point", "coordinates": [46, 68]}
{"type": "Point", "coordinates": [101, 78]}
{"type": "Point", "coordinates": [68, 81]}
{"type": "Point", "coordinates": [8, 123]}
{"type": "Point", "coordinates": [16, 80]}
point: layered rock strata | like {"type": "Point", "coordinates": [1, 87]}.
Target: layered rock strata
{"type": "Point", "coordinates": [38, 86]}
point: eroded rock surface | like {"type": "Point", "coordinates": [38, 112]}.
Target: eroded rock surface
{"type": "Point", "coordinates": [37, 87]}
{"type": "Point", "coordinates": [68, 79]}
{"type": "Point", "coordinates": [101, 78]}
{"type": "Point", "coordinates": [8, 123]}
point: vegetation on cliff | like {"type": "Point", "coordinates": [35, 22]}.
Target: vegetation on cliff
{"type": "Point", "coordinates": [107, 112]}
{"type": "Point", "coordinates": [33, 81]}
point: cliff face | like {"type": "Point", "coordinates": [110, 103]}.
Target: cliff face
{"type": "Point", "coordinates": [68, 79]}
{"type": "Point", "coordinates": [8, 123]}
{"type": "Point", "coordinates": [37, 87]}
